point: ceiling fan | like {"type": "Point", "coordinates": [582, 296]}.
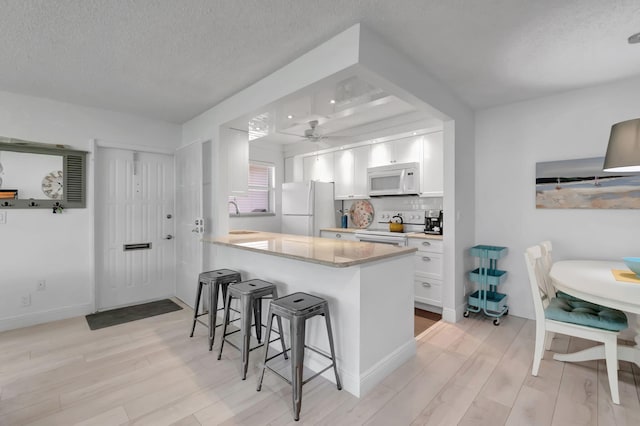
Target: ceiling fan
{"type": "Point", "coordinates": [312, 134]}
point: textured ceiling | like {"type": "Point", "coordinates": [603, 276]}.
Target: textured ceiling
{"type": "Point", "coordinates": [171, 60]}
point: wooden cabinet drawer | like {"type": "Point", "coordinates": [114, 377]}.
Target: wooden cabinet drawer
{"type": "Point", "coordinates": [429, 264]}
{"type": "Point", "coordinates": [428, 290]}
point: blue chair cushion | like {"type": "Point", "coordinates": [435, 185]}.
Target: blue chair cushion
{"type": "Point", "coordinates": [585, 313]}
{"type": "Point", "coordinates": [563, 295]}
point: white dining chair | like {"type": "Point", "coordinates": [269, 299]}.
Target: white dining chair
{"type": "Point", "coordinates": [571, 317]}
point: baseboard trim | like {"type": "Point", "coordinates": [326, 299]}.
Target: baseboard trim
{"type": "Point", "coordinates": [35, 318]}
{"type": "Point", "coordinates": [454, 315]}
{"type": "Point", "coordinates": [374, 375]}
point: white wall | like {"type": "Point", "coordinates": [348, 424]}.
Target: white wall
{"type": "Point", "coordinates": [510, 140]}
{"type": "Point", "coordinates": [387, 68]}
{"type": "Point", "coordinates": [36, 244]}
{"type": "Point", "coordinates": [270, 154]}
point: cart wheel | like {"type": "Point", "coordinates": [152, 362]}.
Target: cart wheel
{"type": "Point", "coordinates": [496, 321]}
{"type": "Point", "coordinates": [466, 314]}
{"type": "Point", "coordinates": [506, 312]}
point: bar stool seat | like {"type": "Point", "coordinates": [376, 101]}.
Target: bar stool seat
{"type": "Point", "coordinates": [216, 280]}
{"type": "Point", "coordinates": [297, 308]}
{"type": "Point", "coordinates": [251, 293]}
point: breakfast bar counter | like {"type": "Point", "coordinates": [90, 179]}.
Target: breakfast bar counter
{"type": "Point", "coordinates": [369, 288]}
{"type": "Point", "coordinates": [329, 252]}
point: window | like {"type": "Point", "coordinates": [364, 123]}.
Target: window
{"type": "Point", "coordinates": [259, 199]}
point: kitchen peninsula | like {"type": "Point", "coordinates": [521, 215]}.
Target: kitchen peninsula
{"type": "Point", "coordinates": [369, 288]}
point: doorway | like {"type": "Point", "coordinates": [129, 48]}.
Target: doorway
{"type": "Point", "coordinates": [423, 320]}
{"type": "Point", "coordinates": [135, 259]}
{"type": "Point", "coordinates": [191, 162]}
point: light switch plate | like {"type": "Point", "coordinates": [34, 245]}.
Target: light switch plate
{"type": "Point", "coordinates": [3, 218]}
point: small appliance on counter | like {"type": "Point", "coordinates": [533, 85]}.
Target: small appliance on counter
{"type": "Point", "coordinates": [433, 222]}
{"type": "Point", "coordinates": [396, 224]}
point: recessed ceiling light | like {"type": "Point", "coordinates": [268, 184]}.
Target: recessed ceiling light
{"type": "Point", "coordinates": [289, 116]}
{"type": "Point", "coordinates": [634, 38]}
{"type": "Point", "coordinates": [415, 133]}
{"type": "Point", "coordinates": [332, 101]}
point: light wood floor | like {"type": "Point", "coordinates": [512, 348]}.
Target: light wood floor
{"type": "Point", "coordinates": [150, 372]}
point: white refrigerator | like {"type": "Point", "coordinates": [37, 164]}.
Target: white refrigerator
{"type": "Point", "coordinates": [307, 207]}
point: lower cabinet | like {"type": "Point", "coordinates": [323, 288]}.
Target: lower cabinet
{"type": "Point", "coordinates": [428, 271]}
{"type": "Point", "coordinates": [349, 236]}
{"type": "Point", "coordinates": [428, 290]}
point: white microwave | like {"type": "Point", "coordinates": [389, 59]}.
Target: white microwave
{"type": "Point", "coordinates": [394, 179]}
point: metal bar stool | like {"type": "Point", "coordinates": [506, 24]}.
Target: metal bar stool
{"type": "Point", "coordinates": [297, 308]}
{"type": "Point", "coordinates": [216, 280]}
{"type": "Point", "coordinates": [250, 293]}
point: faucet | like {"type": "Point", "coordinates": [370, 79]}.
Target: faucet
{"type": "Point", "coordinates": [236, 206]}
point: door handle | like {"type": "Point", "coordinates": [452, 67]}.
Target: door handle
{"type": "Point", "coordinates": [426, 258]}
{"type": "Point", "coordinates": [168, 237]}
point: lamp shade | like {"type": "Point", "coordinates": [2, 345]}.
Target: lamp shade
{"type": "Point", "coordinates": [623, 151]}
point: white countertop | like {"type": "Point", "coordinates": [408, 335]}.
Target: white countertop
{"type": "Point", "coordinates": [325, 251]}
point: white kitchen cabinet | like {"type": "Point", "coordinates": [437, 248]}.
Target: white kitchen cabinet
{"type": "Point", "coordinates": [428, 271]}
{"type": "Point", "coordinates": [349, 236]}
{"type": "Point", "coordinates": [406, 150]}
{"type": "Point", "coordinates": [237, 144]}
{"type": "Point", "coordinates": [432, 165]}
{"type": "Point", "coordinates": [293, 169]}
{"type": "Point", "coordinates": [350, 173]}
{"type": "Point", "coordinates": [318, 167]}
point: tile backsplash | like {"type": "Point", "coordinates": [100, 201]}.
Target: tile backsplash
{"type": "Point", "coordinates": [401, 203]}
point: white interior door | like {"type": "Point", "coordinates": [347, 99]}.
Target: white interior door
{"type": "Point", "coordinates": [134, 234]}
{"type": "Point", "coordinates": [189, 220]}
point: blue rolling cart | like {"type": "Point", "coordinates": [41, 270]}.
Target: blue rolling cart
{"type": "Point", "coordinates": [488, 277]}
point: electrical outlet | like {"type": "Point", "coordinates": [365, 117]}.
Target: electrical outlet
{"type": "Point", "coordinates": [3, 218]}
{"type": "Point", "coordinates": [26, 300]}
{"type": "Point", "coordinates": [42, 285]}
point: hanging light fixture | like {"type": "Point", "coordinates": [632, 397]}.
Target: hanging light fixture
{"type": "Point", "coordinates": [623, 151]}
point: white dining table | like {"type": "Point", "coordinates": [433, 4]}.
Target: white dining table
{"type": "Point", "coordinates": [593, 281]}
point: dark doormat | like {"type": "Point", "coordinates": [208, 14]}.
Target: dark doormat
{"type": "Point", "coordinates": [130, 313]}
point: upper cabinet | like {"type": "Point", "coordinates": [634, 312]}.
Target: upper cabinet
{"type": "Point", "coordinates": [432, 165]}
{"type": "Point", "coordinates": [406, 150]}
{"type": "Point", "coordinates": [237, 144]}
{"type": "Point", "coordinates": [348, 167]}
{"type": "Point", "coordinates": [350, 175]}
{"type": "Point", "coordinates": [318, 167]}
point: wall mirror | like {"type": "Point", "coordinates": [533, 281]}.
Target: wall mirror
{"type": "Point", "coordinates": [35, 175]}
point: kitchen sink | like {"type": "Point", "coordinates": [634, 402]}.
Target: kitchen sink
{"type": "Point", "coordinates": [242, 232]}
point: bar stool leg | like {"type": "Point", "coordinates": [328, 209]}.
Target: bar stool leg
{"type": "Point", "coordinates": [225, 322]}
{"type": "Point", "coordinates": [213, 312]}
{"type": "Point", "coordinates": [333, 352]}
{"type": "Point", "coordinates": [257, 313]}
{"type": "Point", "coordinates": [225, 287]}
{"type": "Point", "coordinates": [196, 308]}
{"type": "Point", "coordinates": [297, 361]}
{"type": "Point", "coordinates": [280, 330]}
{"type": "Point", "coordinates": [245, 330]}
{"type": "Point", "coordinates": [266, 349]}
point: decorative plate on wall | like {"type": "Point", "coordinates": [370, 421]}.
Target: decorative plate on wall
{"type": "Point", "coordinates": [52, 185]}
{"type": "Point", "coordinates": [361, 213]}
